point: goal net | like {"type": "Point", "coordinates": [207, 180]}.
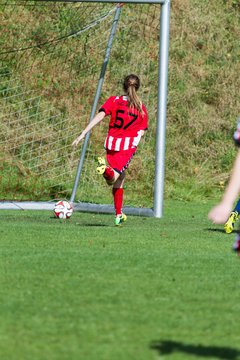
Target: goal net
{"type": "Point", "coordinates": [51, 58]}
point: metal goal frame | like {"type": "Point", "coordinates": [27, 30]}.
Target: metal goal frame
{"type": "Point", "coordinates": [157, 210]}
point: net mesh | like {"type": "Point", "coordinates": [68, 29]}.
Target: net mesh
{"type": "Point", "coordinates": [50, 62]}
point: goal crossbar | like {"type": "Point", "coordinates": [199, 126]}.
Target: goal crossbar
{"type": "Point", "coordinates": [115, 1]}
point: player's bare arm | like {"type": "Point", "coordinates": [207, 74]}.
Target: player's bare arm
{"type": "Point", "coordinates": [99, 117]}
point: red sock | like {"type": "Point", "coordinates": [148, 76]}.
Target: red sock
{"type": "Point", "coordinates": [108, 173]}
{"type": "Point", "coordinates": [118, 200]}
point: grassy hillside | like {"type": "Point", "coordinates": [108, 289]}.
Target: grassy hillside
{"type": "Point", "coordinates": [203, 100]}
{"type": "Point", "coordinates": [203, 94]}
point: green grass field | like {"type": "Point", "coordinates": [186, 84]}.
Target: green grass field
{"type": "Point", "coordinates": [152, 289]}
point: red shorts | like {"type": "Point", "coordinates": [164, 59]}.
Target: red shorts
{"type": "Point", "coordinates": [119, 160]}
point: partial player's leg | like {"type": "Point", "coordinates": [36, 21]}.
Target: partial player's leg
{"type": "Point", "coordinates": [236, 245]}
{"type": "Point", "coordinates": [109, 174]}
{"type": "Point", "coordinates": [118, 199]}
{"type": "Point", "coordinates": [114, 174]}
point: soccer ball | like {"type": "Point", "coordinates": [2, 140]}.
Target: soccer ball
{"type": "Point", "coordinates": [63, 209]}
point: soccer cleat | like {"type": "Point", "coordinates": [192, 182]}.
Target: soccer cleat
{"type": "Point", "coordinates": [119, 219]}
{"type": "Point", "coordinates": [229, 225]}
{"type": "Point", "coordinates": [101, 165]}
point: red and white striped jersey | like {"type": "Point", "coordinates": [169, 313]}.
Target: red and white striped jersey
{"type": "Point", "coordinates": [125, 123]}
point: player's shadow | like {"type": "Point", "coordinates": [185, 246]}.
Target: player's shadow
{"type": "Point", "coordinates": [68, 221]}
{"type": "Point", "coordinates": [220, 230]}
{"type": "Point", "coordinates": [167, 347]}
{"type": "Point", "coordinates": [93, 225]}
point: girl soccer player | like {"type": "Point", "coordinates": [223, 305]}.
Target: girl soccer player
{"type": "Point", "coordinates": [220, 213]}
{"type": "Point", "coordinates": [128, 122]}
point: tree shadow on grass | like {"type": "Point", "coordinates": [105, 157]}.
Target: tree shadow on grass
{"type": "Point", "coordinates": [167, 347]}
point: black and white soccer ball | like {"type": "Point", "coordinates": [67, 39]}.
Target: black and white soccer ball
{"type": "Point", "coordinates": [63, 209]}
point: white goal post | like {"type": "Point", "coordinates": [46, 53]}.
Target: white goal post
{"type": "Point", "coordinates": [157, 209]}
